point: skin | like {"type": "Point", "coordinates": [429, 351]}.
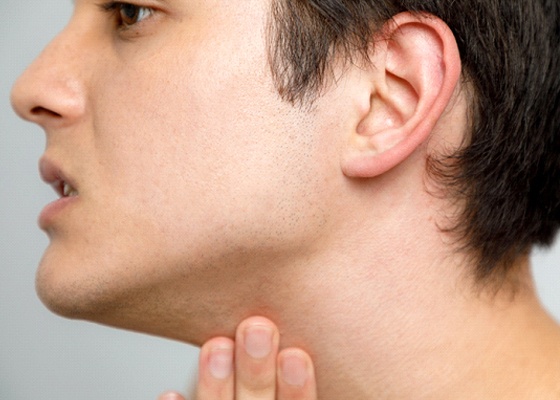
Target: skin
{"type": "Point", "coordinates": [204, 198]}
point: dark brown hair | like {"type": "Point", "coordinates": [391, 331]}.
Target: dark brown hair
{"type": "Point", "coordinates": [507, 174]}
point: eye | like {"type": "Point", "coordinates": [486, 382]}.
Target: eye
{"type": "Point", "coordinates": [128, 14]}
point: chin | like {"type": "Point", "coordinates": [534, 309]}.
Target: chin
{"type": "Point", "coordinates": [66, 299]}
{"type": "Point", "coordinates": [66, 289]}
{"type": "Point", "coordinates": [74, 289]}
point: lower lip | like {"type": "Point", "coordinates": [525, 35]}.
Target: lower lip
{"type": "Point", "coordinates": [52, 210]}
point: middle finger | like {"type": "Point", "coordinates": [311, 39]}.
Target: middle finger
{"type": "Point", "coordinates": [255, 359]}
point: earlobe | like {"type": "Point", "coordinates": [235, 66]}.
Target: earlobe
{"type": "Point", "coordinates": [414, 72]}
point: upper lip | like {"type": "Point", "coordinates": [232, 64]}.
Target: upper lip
{"type": "Point", "coordinates": [53, 174]}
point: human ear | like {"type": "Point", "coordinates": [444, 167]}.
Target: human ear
{"type": "Point", "coordinates": [414, 70]}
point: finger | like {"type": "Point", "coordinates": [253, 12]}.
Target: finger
{"type": "Point", "coordinates": [171, 396]}
{"type": "Point", "coordinates": [296, 376]}
{"type": "Point", "coordinates": [255, 359]}
{"type": "Point", "coordinates": [215, 376]}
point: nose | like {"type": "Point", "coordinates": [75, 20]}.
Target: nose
{"type": "Point", "coordinates": [51, 92]}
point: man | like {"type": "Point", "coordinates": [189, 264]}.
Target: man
{"type": "Point", "coordinates": [369, 175]}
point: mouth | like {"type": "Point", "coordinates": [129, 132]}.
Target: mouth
{"type": "Point", "coordinates": [64, 189]}
{"type": "Point", "coordinates": [54, 176]}
{"type": "Point", "coordinates": [67, 191]}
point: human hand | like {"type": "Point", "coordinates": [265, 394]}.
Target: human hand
{"type": "Point", "coordinates": [252, 367]}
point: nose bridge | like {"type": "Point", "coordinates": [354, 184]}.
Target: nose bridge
{"type": "Point", "coordinates": [54, 84]}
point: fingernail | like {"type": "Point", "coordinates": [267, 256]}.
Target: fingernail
{"type": "Point", "coordinates": [220, 362]}
{"type": "Point", "coordinates": [170, 396]}
{"type": "Point", "coordinates": [258, 341]}
{"type": "Point", "coordinates": [294, 370]}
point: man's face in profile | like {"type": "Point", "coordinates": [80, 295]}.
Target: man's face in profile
{"type": "Point", "coordinates": [181, 169]}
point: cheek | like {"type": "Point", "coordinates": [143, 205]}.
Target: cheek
{"type": "Point", "coordinates": [184, 123]}
{"type": "Point", "coordinates": [230, 161]}
{"type": "Point", "coordinates": [197, 161]}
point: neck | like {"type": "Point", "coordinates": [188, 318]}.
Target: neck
{"type": "Point", "coordinates": [423, 337]}
{"type": "Point", "coordinates": [380, 327]}
{"type": "Point", "coordinates": [386, 329]}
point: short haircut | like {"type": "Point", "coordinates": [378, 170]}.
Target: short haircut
{"type": "Point", "coordinates": [506, 175]}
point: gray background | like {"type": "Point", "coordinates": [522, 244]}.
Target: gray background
{"type": "Point", "coordinates": [46, 357]}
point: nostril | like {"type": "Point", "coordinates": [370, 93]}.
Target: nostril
{"type": "Point", "coordinates": [38, 111]}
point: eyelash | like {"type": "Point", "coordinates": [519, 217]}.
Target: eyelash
{"type": "Point", "coordinates": [116, 8]}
